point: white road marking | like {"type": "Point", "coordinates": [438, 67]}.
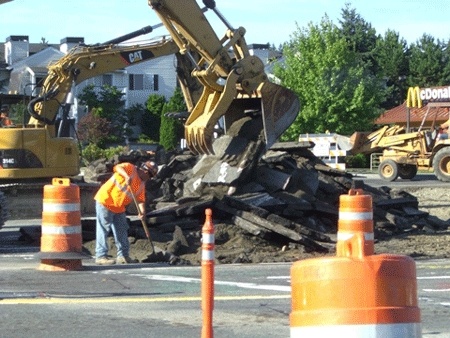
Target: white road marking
{"type": "Point", "coordinates": [216, 282]}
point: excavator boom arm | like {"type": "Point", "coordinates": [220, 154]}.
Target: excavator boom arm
{"type": "Point", "coordinates": [234, 81]}
{"type": "Point", "coordinates": [84, 62]}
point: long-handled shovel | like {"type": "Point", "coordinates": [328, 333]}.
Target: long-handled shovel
{"type": "Point", "coordinates": [144, 223]}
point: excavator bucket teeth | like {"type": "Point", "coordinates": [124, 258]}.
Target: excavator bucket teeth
{"type": "Point", "coordinates": [280, 107]}
{"type": "Point", "coordinates": [198, 141]}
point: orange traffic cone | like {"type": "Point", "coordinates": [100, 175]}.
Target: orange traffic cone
{"type": "Point", "coordinates": [61, 239]}
{"type": "Point", "coordinates": [355, 294]}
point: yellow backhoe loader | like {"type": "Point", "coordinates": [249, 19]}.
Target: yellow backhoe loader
{"type": "Point", "coordinates": [404, 153]}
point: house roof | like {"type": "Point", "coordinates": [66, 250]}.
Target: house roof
{"type": "Point", "coordinates": [398, 115]}
{"type": "Point", "coordinates": [435, 103]}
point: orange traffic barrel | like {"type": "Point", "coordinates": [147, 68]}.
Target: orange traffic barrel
{"type": "Point", "coordinates": [355, 294]}
{"type": "Point", "coordinates": [61, 237]}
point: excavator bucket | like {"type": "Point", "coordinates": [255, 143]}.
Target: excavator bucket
{"type": "Point", "coordinates": [280, 107]}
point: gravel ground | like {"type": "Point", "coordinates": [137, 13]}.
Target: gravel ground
{"type": "Point", "coordinates": [435, 201]}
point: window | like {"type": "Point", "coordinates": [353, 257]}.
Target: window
{"type": "Point", "coordinates": [136, 81]}
{"type": "Point", "coordinates": [144, 82]}
{"type": "Point", "coordinates": [107, 80]}
{"type": "Point", "coordinates": [155, 82]}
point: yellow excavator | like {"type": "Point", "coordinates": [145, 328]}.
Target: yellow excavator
{"type": "Point", "coordinates": [233, 85]}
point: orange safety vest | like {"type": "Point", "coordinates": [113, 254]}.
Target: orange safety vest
{"type": "Point", "coordinates": [115, 195]}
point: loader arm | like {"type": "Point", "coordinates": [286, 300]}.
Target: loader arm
{"type": "Point", "coordinates": [234, 81]}
{"type": "Point", "coordinates": [369, 142]}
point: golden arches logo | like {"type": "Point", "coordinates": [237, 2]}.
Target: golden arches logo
{"type": "Point", "coordinates": [413, 99]}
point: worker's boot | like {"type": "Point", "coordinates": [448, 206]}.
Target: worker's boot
{"type": "Point", "coordinates": [126, 260]}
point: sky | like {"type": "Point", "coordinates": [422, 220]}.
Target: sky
{"type": "Point", "coordinates": [266, 21]}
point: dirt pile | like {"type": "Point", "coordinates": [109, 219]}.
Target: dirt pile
{"type": "Point", "coordinates": [280, 207]}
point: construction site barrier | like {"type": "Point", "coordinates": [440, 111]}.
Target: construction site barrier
{"type": "Point", "coordinates": [327, 148]}
{"type": "Point", "coordinates": [61, 238]}
{"type": "Point", "coordinates": [355, 294]}
{"type": "Point", "coordinates": [208, 275]}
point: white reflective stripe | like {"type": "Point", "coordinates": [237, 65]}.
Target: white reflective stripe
{"type": "Point", "coordinates": [207, 238]}
{"type": "Point", "coordinates": [60, 207]}
{"type": "Point", "coordinates": [345, 235]}
{"type": "Point", "coordinates": [355, 216]}
{"type": "Point", "coordinates": [207, 255]}
{"type": "Point", "coordinates": [61, 230]}
{"type": "Point", "coordinates": [410, 330]}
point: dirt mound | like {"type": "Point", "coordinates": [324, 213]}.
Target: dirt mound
{"type": "Point", "coordinates": [279, 205]}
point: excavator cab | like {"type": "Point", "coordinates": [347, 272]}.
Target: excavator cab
{"type": "Point", "coordinates": [235, 84]}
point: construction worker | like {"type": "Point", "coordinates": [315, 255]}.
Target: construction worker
{"type": "Point", "coordinates": [111, 201]}
{"type": "Point", "coordinates": [4, 116]}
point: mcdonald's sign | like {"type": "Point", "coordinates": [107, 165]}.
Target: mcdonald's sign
{"type": "Point", "coordinates": [416, 96]}
{"type": "Point", "coordinates": [413, 99]}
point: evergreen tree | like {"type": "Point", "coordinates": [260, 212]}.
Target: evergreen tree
{"type": "Point", "coordinates": [427, 63]}
{"type": "Point", "coordinates": [360, 36]}
{"type": "Point", "coordinates": [172, 129]}
{"type": "Point", "coordinates": [392, 54]}
{"type": "Point", "coordinates": [151, 120]}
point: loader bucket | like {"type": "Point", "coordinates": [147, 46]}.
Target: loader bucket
{"type": "Point", "coordinates": [344, 142]}
{"type": "Point", "coordinates": [279, 107]}
{"type": "Point", "coordinates": [359, 142]}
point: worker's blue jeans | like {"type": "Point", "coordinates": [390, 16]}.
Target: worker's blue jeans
{"type": "Point", "coordinates": [106, 221]}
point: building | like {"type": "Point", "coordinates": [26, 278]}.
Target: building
{"type": "Point", "coordinates": [424, 106]}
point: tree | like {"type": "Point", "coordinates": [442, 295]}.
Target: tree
{"type": "Point", "coordinates": [134, 117]}
{"type": "Point", "coordinates": [172, 129]}
{"type": "Point", "coordinates": [336, 91]}
{"type": "Point", "coordinates": [360, 36]}
{"type": "Point", "coordinates": [18, 113]}
{"type": "Point", "coordinates": [93, 129]}
{"type": "Point", "coordinates": [151, 120]}
{"type": "Point", "coordinates": [392, 53]}
{"type": "Point", "coordinates": [107, 102]}
{"type": "Point", "coordinates": [427, 63]}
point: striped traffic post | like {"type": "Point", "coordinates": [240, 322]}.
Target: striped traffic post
{"type": "Point", "coordinates": [355, 294]}
{"type": "Point", "coordinates": [355, 222]}
{"type": "Point", "coordinates": [61, 237]}
{"type": "Point", "coordinates": [208, 275]}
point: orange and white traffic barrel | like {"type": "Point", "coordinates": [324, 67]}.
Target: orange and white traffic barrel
{"type": "Point", "coordinates": [355, 220]}
{"type": "Point", "coordinates": [61, 236]}
{"type": "Point", "coordinates": [355, 294]}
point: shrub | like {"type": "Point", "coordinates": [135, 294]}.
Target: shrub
{"type": "Point", "coordinates": [93, 152]}
{"type": "Point", "coordinates": [357, 161]}
{"type": "Point", "coordinates": [93, 129]}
